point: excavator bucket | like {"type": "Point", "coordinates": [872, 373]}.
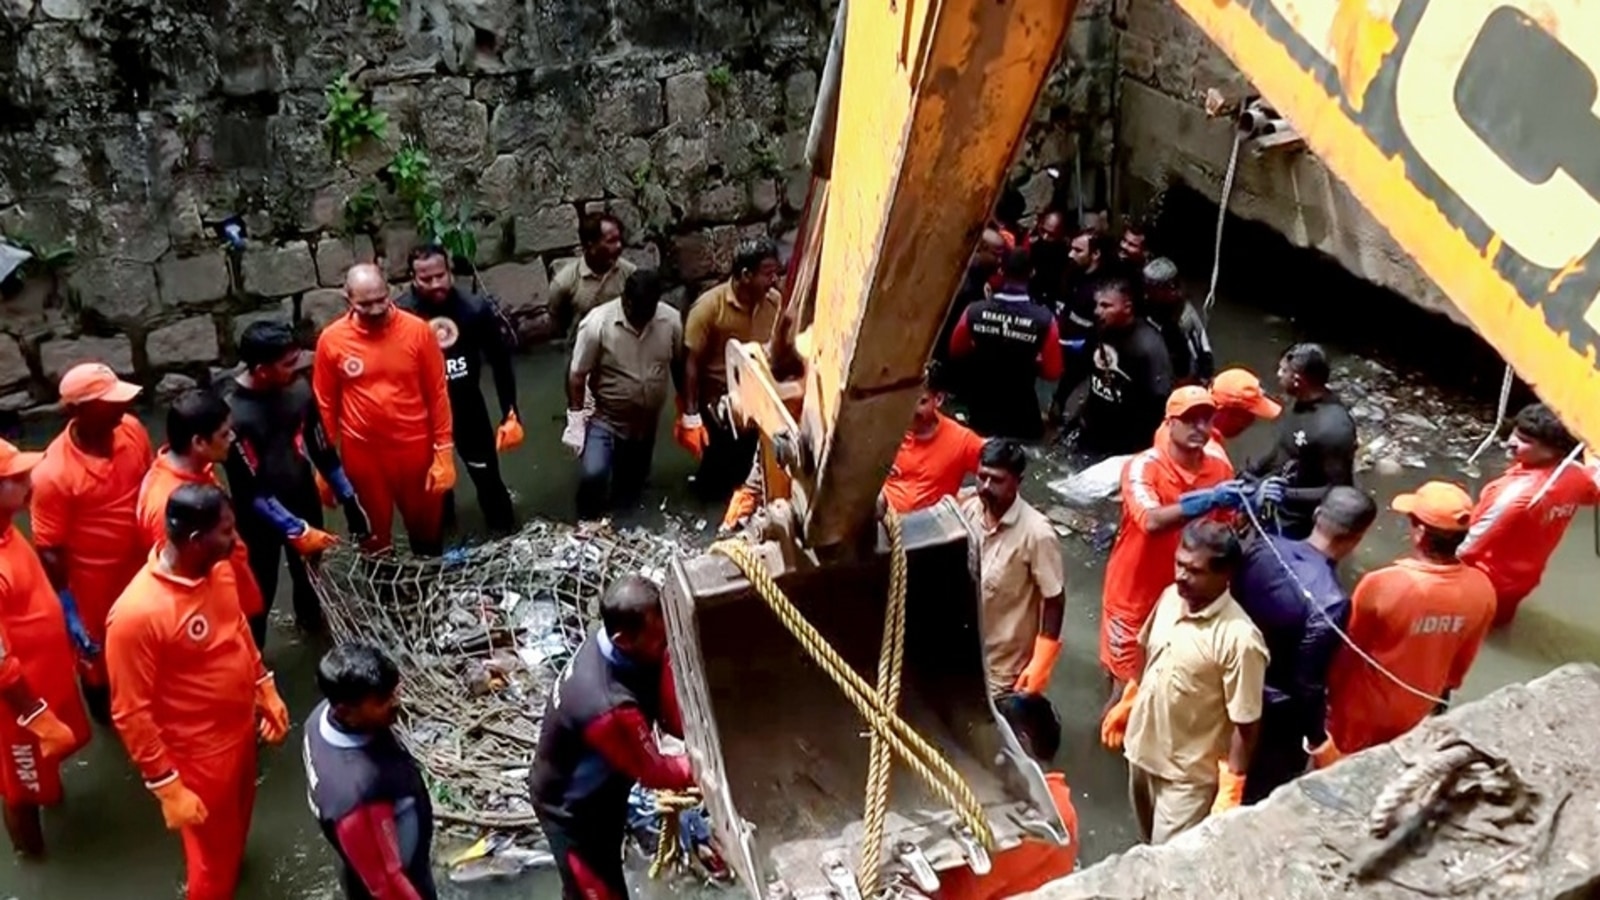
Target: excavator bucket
{"type": "Point", "coordinates": [782, 755]}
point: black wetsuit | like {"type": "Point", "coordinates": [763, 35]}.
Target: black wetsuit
{"type": "Point", "coordinates": [478, 340]}
{"type": "Point", "coordinates": [1315, 450]}
{"type": "Point", "coordinates": [278, 447]}
{"type": "Point", "coordinates": [1128, 390]}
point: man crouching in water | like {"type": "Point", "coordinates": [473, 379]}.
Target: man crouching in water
{"type": "Point", "coordinates": [595, 741]}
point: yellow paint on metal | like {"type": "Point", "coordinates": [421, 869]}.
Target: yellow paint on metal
{"type": "Point", "coordinates": [1563, 377]}
{"type": "Point", "coordinates": [1360, 41]}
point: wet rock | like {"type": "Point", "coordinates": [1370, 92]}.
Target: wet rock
{"type": "Point", "coordinates": [455, 128]}
{"type": "Point", "coordinates": [719, 203]}
{"type": "Point", "coordinates": [551, 228]}
{"type": "Point", "coordinates": [522, 290]}
{"type": "Point", "coordinates": [278, 271]}
{"type": "Point", "coordinates": [194, 280]}
{"type": "Point", "coordinates": [57, 356]}
{"type": "Point", "coordinates": [186, 342]}
{"type": "Point", "coordinates": [498, 184]}
{"type": "Point", "coordinates": [795, 189]}
{"type": "Point", "coordinates": [800, 95]}
{"type": "Point", "coordinates": [688, 98]}
{"type": "Point", "coordinates": [679, 159]}
{"type": "Point", "coordinates": [335, 256]}
{"type": "Point", "coordinates": [705, 254]}
{"type": "Point", "coordinates": [645, 257]}
{"type": "Point", "coordinates": [321, 306]}
{"type": "Point", "coordinates": [13, 365]}
{"type": "Point", "coordinates": [632, 108]}
{"type": "Point", "coordinates": [120, 291]}
{"type": "Point", "coordinates": [171, 385]}
{"type": "Point", "coordinates": [398, 241]}
{"type": "Point", "coordinates": [66, 10]}
{"type": "Point", "coordinates": [763, 196]}
{"type": "Point", "coordinates": [1416, 421]}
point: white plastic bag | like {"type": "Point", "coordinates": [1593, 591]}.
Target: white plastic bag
{"type": "Point", "coordinates": [1090, 486]}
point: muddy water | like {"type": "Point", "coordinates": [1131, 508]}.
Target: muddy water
{"type": "Point", "coordinates": [107, 840]}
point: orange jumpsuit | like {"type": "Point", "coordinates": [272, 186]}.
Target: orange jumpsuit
{"type": "Point", "coordinates": [184, 672]}
{"type": "Point", "coordinates": [1511, 541]}
{"type": "Point", "coordinates": [85, 507]}
{"type": "Point", "coordinates": [1141, 563]}
{"type": "Point", "coordinates": [163, 478]}
{"type": "Point", "coordinates": [382, 396]}
{"type": "Point", "coordinates": [35, 649]}
{"type": "Point", "coordinates": [1022, 868]}
{"type": "Point", "coordinates": [1424, 622]}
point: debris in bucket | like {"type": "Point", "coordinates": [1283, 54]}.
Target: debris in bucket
{"type": "Point", "coordinates": [478, 641]}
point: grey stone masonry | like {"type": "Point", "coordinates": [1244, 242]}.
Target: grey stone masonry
{"type": "Point", "coordinates": [13, 365]}
{"type": "Point", "coordinates": [194, 280]}
{"type": "Point", "coordinates": [279, 271]}
{"type": "Point", "coordinates": [56, 357]}
{"type": "Point", "coordinates": [551, 228]}
{"type": "Point", "coordinates": [185, 342]}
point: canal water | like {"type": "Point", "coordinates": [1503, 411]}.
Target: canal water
{"type": "Point", "coordinates": [107, 840]}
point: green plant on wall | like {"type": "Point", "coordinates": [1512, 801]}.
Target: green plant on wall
{"type": "Point", "coordinates": [385, 11]}
{"type": "Point", "coordinates": [411, 172]}
{"type": "Point", "coordinates": [351, 118]}
{"type": "Point", "coordinates": [361, 211]}
{"type": "Point", "coordinates": [719, 77]}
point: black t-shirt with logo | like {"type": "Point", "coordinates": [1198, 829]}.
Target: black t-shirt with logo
{"type": "Point", "coordinates": [469, 335]}
{"type": "Point", "coordinates": [1128, 390]}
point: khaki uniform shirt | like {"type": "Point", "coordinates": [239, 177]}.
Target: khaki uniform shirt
{"type": "Point", "coordinates": [716, 318]}
{"type": "Point", "coordinates": [576, 289]}
{"type": "Point", "coordinates": [628, 369]}
{"type": "Point", "coordinates": [1020, 567]}
{"type": "Point", "coordinates": [1204, 671]}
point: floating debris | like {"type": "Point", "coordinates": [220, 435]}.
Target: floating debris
{"type": "Point", "coordinates": [479, 637]}
{"type": "Point", "coordinates": [1404, 423]}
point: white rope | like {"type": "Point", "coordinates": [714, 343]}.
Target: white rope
{"type": "Point", "coordinates": [1499, 416]}
{"type": "Point", "coordinates": [1312, 602]}
{"type": "Point", "coordinates": [1222, 218]}
{"type": "Point", "coordinates": [1568, 460]}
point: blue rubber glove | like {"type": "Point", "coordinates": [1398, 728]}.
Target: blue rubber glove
{"type": "Point", "coordinates": [75, 630]}
{"type": "Point", "coordinates": [1227, 495]}
{"type": "Point", "coordinates": [1270, 492]}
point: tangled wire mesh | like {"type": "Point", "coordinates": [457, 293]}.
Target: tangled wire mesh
{"type": "Point", "coordinates": [479, 637]}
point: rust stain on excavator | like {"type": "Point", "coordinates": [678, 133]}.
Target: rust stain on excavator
{"type": "Point", "coordinates": [1374, 97]}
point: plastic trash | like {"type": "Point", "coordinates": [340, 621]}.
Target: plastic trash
{"type": "Point", "coordinates": [1093, 485]}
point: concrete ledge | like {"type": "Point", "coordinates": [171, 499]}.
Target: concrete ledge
{"type": "Point", "coordinates": [1285, 848]}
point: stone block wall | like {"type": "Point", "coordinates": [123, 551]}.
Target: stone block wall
{"type": "Point", "coordinates": [1164, 138]}
{"type": "Point", "coordinates": [131, 129]}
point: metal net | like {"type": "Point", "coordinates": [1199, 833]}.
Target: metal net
{"type": "Point", "coordinates": [479, 637]}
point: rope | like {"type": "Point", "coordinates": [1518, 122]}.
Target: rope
{"type": "Point", "coordinates": [1305, 593]}
{"type": "Point", "coordinates": [891, 656]}
{"type": "Point", "coordinates": [1499, 416]}
{"type": "Point", "coordinates": [924, 760]}
{"type": "Point", "coordinates": [669, 846]}
{"type": "Point", "coordinates": [1222, 218]}
{"type": "Point", "coordinates": [1567, 460]}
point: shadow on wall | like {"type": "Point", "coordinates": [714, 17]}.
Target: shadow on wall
{"type": "Point", "coordinates": [1262, 269]}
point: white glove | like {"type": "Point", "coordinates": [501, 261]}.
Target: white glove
{"type": "Point", "coordinates": [572, 435]}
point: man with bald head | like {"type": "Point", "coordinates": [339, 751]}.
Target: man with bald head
{"type": "Point", "coordinates": [380, 385]}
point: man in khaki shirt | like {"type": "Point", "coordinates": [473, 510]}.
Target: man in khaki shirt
{"type": "Point", "coordinates": [625, 353]}
{"type": "Point", "coordinates": [1197, 706]}
{"type": "Point", "coordinates": [744, 308]}
{"type": "Point", "coordinates": [1023, 586]}
{"type": "Point", "coordinates": [594, 277]}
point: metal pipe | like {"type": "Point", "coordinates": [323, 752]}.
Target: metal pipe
{"type": "Point", "coordinates": [825, 116]}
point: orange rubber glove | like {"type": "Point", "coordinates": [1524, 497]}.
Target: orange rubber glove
{"type": "Point", "coordinates": [1036, 677]}
{"type": "Point", "coordinates": [509, 435]}
{"type": "Point", "coordinates": [691, 435]}
{"type": "Point", "coordinates": [742, 504]}
{"type": "Point", "coordinates": [311, 541]}
{"type": "Point", "coordinates": [324, 492]}
{"type": "Point", "coordinates": [442, 474]}
{"type": "Point", "coordinates": [1230, 789]}
{"type": "Point", "coordinates": [180, 807]}
{"type": "Point", "coordinates": [1114, 727]}
{"type": "Point", "coordinates": [1325, 754]}
{"type": "Point", "coordinates": [274, 725]}
{"type": "Point", "coordinates": [55, 738]}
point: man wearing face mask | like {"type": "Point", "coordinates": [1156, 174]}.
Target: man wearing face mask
{"type": "Point", "coordinates": [625, 354]}
{"type": "Point", "coordinates": [469, 336]}
{"type": "Point", "coordinates": [379, 379]}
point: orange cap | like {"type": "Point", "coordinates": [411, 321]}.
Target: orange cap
{"type": "Point", "coordinates": [16, 462]}
{"type": "Point", "coordinates": [88, 382]}
{"type": "Point", "coordinates": [1241, 389]}
{"type": "Point", "coordinates": [1186, 398]}
{"type": "Point", "coordinates": [1437, 504]}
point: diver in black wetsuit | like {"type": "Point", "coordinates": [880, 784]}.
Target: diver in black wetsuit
{"type": "Point", "coordinates": [469, 335]}
{"type": "Point", "coordinates": [1316, 441]}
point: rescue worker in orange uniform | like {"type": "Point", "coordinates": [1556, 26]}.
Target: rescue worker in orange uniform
{"type": "Point", "coordinates": [188, 691]}
{"type": "Point", "coordinates": [84, 511]}
{"type": "Point", "coordinates": [43, 720]}
{"type": "Point", "coordinates": [1030, 864]}
{"type": "Point", "coordinates": [936, 455]}
{"type": "Point", "coordinates": [380, 385]}
{"type": "Point", "coordinates": [1511, 537]}
{"type": "Point", "coordinates": [1162, 488]}
{"type": "Point", "coordinates": [199, 438]}
{"type": "Point", "coordinates": [1422, 618]}
{"type": "Point", "coordinates": [1240, 403]}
